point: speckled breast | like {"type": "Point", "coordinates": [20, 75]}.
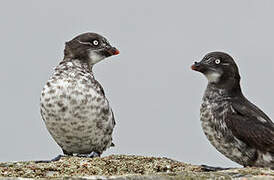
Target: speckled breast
{"type": "Point", "coordinates": [76, 114]}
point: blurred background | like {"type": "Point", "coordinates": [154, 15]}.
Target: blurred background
{"type": "Point", "coordinates": [154, 94]}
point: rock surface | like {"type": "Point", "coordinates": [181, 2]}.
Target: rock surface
{"type": "Point", "coordinates": [123, 167]}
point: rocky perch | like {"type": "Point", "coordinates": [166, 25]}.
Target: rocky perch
{"type": "Point", "coordinates": [123, 167]}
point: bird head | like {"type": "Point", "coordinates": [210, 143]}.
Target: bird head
{"type": "Point", "coordinates": [219, 68]}
{"type": "Point", "coordinates": [89, 47]}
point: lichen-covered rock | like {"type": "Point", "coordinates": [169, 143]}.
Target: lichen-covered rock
{"type": "Point", "coordinates": [123, 167]}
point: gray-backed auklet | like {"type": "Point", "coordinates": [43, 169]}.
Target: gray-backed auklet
{"type": "Point", "coordinates": [234, 126]}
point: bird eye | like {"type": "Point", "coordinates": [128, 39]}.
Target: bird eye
{"type": "Point", "coordinates": [95, 42]}
{"type": "Point", "coordinates": [217, 61]}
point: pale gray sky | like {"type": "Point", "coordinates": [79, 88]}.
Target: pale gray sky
{"type": "Point", "coordinates": [154, 94]}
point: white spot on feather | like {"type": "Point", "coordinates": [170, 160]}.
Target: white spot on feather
{"type": "Point", "coordinates": [69, 64]}
{"type": "Point", "coordinates": [261, 119]}
{"type": "Point", "coordinates": [267, 157]}
{"type": "Point", "coordinates": [232, 109]}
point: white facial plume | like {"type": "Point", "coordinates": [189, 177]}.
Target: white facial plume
{"type": "Point", "coordinates": [95, 57]}
{"type": "Point", "coordinates": [213, 77]}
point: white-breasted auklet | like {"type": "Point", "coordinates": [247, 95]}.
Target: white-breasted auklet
{"type": "Point", "coordinates": [73, 104]}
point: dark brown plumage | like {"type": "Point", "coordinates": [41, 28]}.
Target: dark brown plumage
{"type": "Point", "coordinates": [234, 126]}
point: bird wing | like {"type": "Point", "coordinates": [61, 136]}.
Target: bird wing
{"type": "Point", "coordinates": [251, 125]}
{"type": "Point", "coordinates": [108, 107]}
{"type": "Point", "coordinates": [113, 119]}
{"type": "Point", "coordinates": [100, 87]}
{"type": "Point", "coordinates": [113, 123]}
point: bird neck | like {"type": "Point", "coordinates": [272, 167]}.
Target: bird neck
{"type": "Point", "coordinates": [79, 63]}
{"type": "Point", "coordinates": [226, 90]}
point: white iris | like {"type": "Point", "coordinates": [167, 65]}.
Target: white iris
{"type": "Point", "coordinates": [217, 61]}
{"type": "Point", "coordinates": [95, 42]}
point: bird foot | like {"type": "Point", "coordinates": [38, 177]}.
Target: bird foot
{"type": "Point", "coordinates": [211, 168]}
{"type": "Point", "coordinates": [57, 158]}
{"type": "Point", "coordinates": [90, 155]}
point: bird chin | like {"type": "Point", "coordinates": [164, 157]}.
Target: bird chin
{"type": "Point", "coordinates": [213, 77]}
{"type": "Point", "coordinates": [95, 57]}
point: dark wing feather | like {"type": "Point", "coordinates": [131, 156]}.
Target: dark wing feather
{"type": "Point", "coordinates": [251, 125]}
{"type": "Point", "coordinates": [113, 119]}
{"type": "Point", "coordinates": [108, 109]}
{"type": "Point", "coordinates": [114, 123]}
{"type": "Point", "coordinates": [100, 87]}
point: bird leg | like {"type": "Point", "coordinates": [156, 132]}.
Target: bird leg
{"type": "Point", "coordinates": [211, 168]}
{"type": "Point", "coordinates": [57, 158]}
{"type": "Point", "coordinates": [90, 155]}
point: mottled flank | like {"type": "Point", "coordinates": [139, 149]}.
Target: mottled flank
{"type": "Point", "coordinates": [214, 107]}
{"type": "Point", "coordinates": [73, 104]}
{"type": "Point", "coordinates": [123, 167]}
{"type": "Point", "coordinates": [75, 110]}
{"type": "Point", "coordinates": [215, 110]}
